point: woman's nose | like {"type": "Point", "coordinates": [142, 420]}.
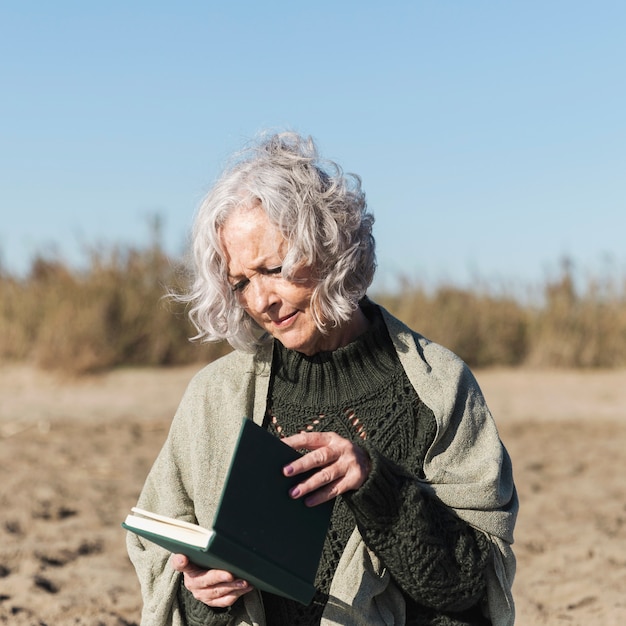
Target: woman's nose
{"type": "Point", "coordinates": [260, 294]}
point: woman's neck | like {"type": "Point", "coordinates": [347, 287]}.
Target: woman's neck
{"type": "Point", "coordinates": [345, 334]}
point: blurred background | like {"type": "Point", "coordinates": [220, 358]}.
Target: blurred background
{"type": "Point", "coordinates": [490, 138]}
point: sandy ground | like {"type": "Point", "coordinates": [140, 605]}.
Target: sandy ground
{"type": "Point", "coordinates": [74, 454]}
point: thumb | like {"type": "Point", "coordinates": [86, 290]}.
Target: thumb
{"type": "Point", "coordinates": [179, 562]}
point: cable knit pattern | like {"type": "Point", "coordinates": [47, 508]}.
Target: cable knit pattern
{"type": "Point", "coordinates": [436, 558]}
{"type": "Point", "coordinates": [199, 614]}
{"type": "Point", "coordinates": [362, 393]}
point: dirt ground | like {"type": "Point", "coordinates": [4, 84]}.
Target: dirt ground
{"type": "Point", "coordinates": [74, 454]}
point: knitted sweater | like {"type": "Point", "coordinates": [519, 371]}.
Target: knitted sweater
{"type": "Point", "coordinates": [466, 468]}
{"type": "Point", "coordinates": [362, 393]}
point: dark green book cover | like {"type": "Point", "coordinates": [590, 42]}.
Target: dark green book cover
{"type": "Point", "coordinates": [259, 533]}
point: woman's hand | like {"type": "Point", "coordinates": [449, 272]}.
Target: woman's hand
{"type": "Point", "coordinates": [343, 466]}
{"type": "Point", "coordinates": [214, 587]}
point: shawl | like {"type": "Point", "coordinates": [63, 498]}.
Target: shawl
{"type": "Point", "coordinates": [467, 468]}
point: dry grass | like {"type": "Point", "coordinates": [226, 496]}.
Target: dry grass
{"type": "Point", "coordinates": [113, 314]}
{"type": "Point", "coordinates": [569, 322]}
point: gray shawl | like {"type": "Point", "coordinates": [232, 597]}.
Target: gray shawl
{"type": "Point", "coordinates": [467, 468]}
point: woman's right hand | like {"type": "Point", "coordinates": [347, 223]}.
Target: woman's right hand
{"type": "Point", "coordinates": [215, 587]}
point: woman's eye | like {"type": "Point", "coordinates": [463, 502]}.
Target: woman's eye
{"type": "Point", "coordinates": [240, 286]}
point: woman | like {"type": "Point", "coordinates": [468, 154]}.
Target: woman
{"type": "Point", "coordinates": [396, 428]}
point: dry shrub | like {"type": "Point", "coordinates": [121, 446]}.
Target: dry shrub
{"type": "Point", "coordinates": [582, 326]}
{"type": "Point", "coordinates": [15, 335]}
{"type": "Point", "coordinates": [114, 314]}
{"type": "Point", "coordinates": [574, 321]}
{"type": "Point", "coordinates": [481, 328]}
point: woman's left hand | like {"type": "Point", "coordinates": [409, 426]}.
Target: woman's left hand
{"type": "Point", "coordinates": [343, 466]}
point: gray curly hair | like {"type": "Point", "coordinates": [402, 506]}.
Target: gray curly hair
{"type": "Point", "coordinates": [321, 213]}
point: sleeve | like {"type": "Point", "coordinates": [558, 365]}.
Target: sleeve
{"type": "Point", "coordinates": [467, 469]}
{"type": "Point", "coordinates": [169, 489]}
{"type": "Point", "coordinates": [435, 557]}
{"type": "Point", "coordinates": [197, 613]}
{"type": "Point", "coordinates": [187, 476]}
{"type": "Point", "coordinates": [158, 580]}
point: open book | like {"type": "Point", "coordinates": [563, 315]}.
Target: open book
{"type": "Point", "coordinates": [259, 533]}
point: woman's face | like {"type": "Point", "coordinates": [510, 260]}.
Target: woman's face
{"type": "Point", "coordinates": [254, 251]}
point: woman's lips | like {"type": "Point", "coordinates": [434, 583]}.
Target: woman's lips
{"type": "Point", "coordinates": [284, 321]}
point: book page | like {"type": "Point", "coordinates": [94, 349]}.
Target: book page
{"type": "Point", "coordinates": [169, 520]}
{"type": "Point", "coordinates": [169, 527]}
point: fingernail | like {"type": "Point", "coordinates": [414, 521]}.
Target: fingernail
{"type": "Point", "coordinates": [288, 470]}
{"type": "Point", "coordinates": [295, 492]}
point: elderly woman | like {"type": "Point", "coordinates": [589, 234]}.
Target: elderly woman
{"type": "Point", "coordinates": [395, 427]}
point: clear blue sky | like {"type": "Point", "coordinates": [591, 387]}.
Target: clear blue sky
{"type": "Point", "coordinates": [490, 136]}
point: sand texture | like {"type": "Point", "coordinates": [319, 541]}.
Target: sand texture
{"type": "Point", "coordinates": [74, 454]}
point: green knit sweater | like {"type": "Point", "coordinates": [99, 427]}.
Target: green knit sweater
{"type": "Point", "coordinates": [362, 393]}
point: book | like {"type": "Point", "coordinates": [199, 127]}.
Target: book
{"type": "Point", "coordinates": [259, 533]}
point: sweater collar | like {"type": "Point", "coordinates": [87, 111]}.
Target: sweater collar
{"type": "Point", "coordinates": [356, 370]}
